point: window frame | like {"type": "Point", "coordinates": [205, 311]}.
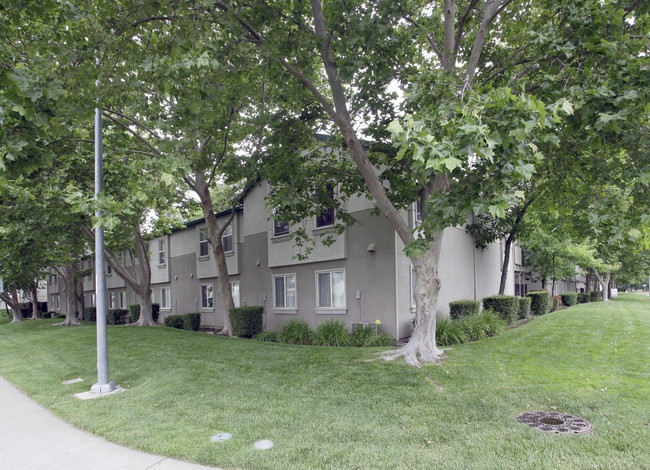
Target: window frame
{"type": "Point", "coordinates": [165, 295]}
{"type": "Point", "coordinates": [412, 282]}
{"type": "Point", "coordinates": [205, 304]}
{"type": "Point", "coordinates": [162, 252]}
{"type": "Point", "coordinates": [203, 231]}
{"type": "Point", "coordinates": [332, 309]}
{"type": "Point", "coordinates": [285, 308]}
{"type": "Point", "coordinates": [330, 209]}
{"type": "Point", "coordinates": [235, 298]}
{"type": "Point", "coordinates": [121, 302]}
{"type": "Point", "coordinates": [278, 230]}
{"type": "Point", "coordinates": [111, 300]}
{"type": "Point", "coordinates": [225, 235]}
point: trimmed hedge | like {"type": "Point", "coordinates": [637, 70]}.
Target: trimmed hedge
{"type": "Point", "coordinates": [569, 298]}
{"type": "Point", "coordinates": [584, 298]}
{"type": "Point", "coordinates": [135, 312]}
{"type": "Point", "coordinates": [174, 321]}
{"type": "Point", "coordinates": [540, 302]}
{"type": "Point", "coordinates": [462, 308]}
{"type": "Point", "coordinates": [192, 321]}
{"type": "Point", "coordinates": [556, 301]}
{"type": "Point", "coordinates": [595, 296]}
{"type": "Point", "coordinates": [506, 306]}
{"type": "Point", "coordinates": [90, 313]}
{"type": "Point", "coordinates": [246, 321]}
{"type": "Point", "coordinates": [117, 316]}
{"type": "Point", "coordinates": [524, 307]}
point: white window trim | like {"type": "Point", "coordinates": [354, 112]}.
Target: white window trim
{"type": "Point", "coordinates": [207, 243]}
{"type": "Point", "coordinates": [286, 310]}
{"type": "Point", "coordinates": [316, 226]}
{"type": "Point", "coordinates": [331, 310]}
{"type": "Point", "coordinates": [236, 302]}
{"type": "Point", "coordinates": [121, 297]}
{"type": "Point", "coordinates": [92, 300]}
{"type": "Point", "coordinates": [162, 251]}
{"type": "Point", "coordinates": [201, 286]}
{"type": "Point", "coordinates": [412, 275]}
{"type": "Point", "coordinates": [280, 235]}
{"type": "Point", "coordinates": [232, 236]}
{"type": "Point", "coordinates": [162, 297]}
{"type": "Point", "coordinates": [111, 300]}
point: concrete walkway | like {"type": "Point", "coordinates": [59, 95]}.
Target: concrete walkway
{"type": "Point", "coordinates": [31, 438]}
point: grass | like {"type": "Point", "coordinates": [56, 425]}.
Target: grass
{"type": "Point", "coordinates": [329, 408]}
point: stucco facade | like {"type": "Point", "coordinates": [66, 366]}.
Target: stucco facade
{"type": "Point", "coordinates": [363, 276]}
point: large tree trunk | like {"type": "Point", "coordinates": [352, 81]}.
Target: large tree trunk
{"type": "Point", "coordinates": [36, 310]}
{"type": "Point", "coordinates": [14, 305]}
{"type": "Point", "coordinates": [67, 276]}
{"type": "Point", "coordinates": [506, 262]}
{"type": "Point", "coordinates": [79, 297]}
{"type": "Point", "coordinates": [604, 283]}
{"type": "Point", "coordinates": [202, 189]}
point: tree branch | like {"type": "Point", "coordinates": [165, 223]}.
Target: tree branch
{"type": "Point", "coordinates": [461, 27]}
{"type": "Point", "coordinates": [430, 38]}
{"type": "Point", "coordinates": [132, 132]}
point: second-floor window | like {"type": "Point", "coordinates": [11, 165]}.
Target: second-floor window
{"type": "Point", "coordinates": [203, 242]}
{"type": "Point", "coordinates": [280, 228]}
{"type": "Point", "coordinates": [161, 251]}
{"type": "Point", "coordinates": [326, 216]}
{"type": "Point", "coordinates": [226, 239]}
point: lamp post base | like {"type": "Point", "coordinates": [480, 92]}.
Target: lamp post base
{"type": "Point", "coordinates": [103, 388]}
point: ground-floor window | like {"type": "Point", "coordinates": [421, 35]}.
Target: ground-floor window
{"type": "Point", "coordinates": [165, 298]}
{"type": "Point", "coordinates": [122, 299]}
{"type": "Point", "coordinates": [234, 289]}
{"type": "Point", "coordinates": [111, 300]}
{"type": "Point", "coordinates": [414, 281]}
{"type": "Point", "coordinates": [207, 296]}
{"type": "Point", "coordinates": [330, 289]}
{"type": "Point", "coordinates": [284, 291]}
{"type": "Point", "coordinates": [56, 302]}
{"type": "Point", "coordinates": [91, 300]}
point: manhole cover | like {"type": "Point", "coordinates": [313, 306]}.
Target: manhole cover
{"type": "Point", "coordinates": [557, 423]}
{"type": "Point", "coordinates": [264, 444]}
{"type": "Point", "coordinates": [222, 436]}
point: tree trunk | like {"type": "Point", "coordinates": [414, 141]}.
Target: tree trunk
{"type": "Point", "coordinates": [588, 280]}
{"type": "Point", "coordinates": [67, 276]}
{"type": "Point", "coordinates": [506, 262]}
{"type": "Point", "coordinates": [13, 304]}
{"type": "Point", "coordinates": [604, 283]}
{"type": "Point", "coordinates": [36, 310]}
{"type": "Point", "coordinates": [79, 297]}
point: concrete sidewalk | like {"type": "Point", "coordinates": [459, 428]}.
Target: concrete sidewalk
{"type": "Point", "coordinates": [31, 438]}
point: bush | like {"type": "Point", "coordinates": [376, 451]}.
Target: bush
{"type": "Point", "coordinates": [461, 308]}
{"type": "Point", "coordinates": [134, 310]}
{"type": "Point", "coordinates": [192, 321]}
{"type": "Point", "coordinates": [556, 301]}
{"type": "Point", "coordinates": [117, 316]}
{"type": "Point", "coordinates": [90, 313]}
{"type": "Point", "coordinates": [268, 336]}
{"type": "Point", "coordinates": [524, 307]}
{"type": "Point", "coordinates": [155, 311]}
{"type": "Point", "coordinates": [540, 302]}
{"type": "Point", "coordinates": [449, 332]}
{"type": "Point", "coordinates": [332, 333]}
{"type": "Point", "coordinates": [470, 328]}
{"type": "Point", "coordinates": [569, 298]}
{"type": "Point", "coordinates": [382, 340]}
{"type": "Point", "coordinates": [296, 332]}
{"type": "Point", "coordinates": [505, 305]}
{"type": "Point", "coordinates": [247, 321]}
{"type": "Point", "coordinates": [595, 296]}
{"type": "Point", "coordinates": [174, 321]}
{"type": "Point", "coordinates": [584, 298]}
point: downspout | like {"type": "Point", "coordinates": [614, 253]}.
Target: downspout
{"type": "Point", "coordinates": [474, 253]}
{"type": "Point", "coordinates": [395, 280]}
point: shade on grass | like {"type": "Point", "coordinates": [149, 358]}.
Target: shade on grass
{"type": "Point", "coordinates": [329, 408]}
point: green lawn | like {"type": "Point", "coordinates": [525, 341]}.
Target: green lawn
{"type": "Point", "coordinates": [329, 408]}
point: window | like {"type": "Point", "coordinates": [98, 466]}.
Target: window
{"type": "Point", "coordinates": [326, 216]}
{"type": "Point", "coordinates": [161, 251]}
{"type": "Point", "coordinates": [414, 281]}
{"type": "Point", "coordinates": [122, 299]}
{"type": "Point", "coordinates": [234, 289]}
{"type": "Point", "coordinates": [330, 289]}
{"type": "Point", "coordinates": [280, 228]}
{"type": "Point", "coordinates": [203, 242]}
{"type": "Point", "coordinates": [165, 298]}
{"type": "Point", "coordinates": [284, 291]}
{"type": "Point", "coordinates": [91, 300]}
{"type": "Point", "coordinates": [418, 211]}
{"type": "Point", "coordinates": [56, 302]}
{"type": "Point", "coordinates": [226, 239]}
{"type": "Point", "coordinates": [52, 279]}
{"type": "Point", "coordinates": [111, 300]}
{"type": "Point", "coordinates": [207, 296]}
{"type": "Point", "coordinates": [109, 270]}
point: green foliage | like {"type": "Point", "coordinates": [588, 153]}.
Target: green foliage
{"type": "Point", "coordinates": [134, 310]}
{"type": "Point", "coordinates": [507, 306]}
{"type": "Point", "coordinates": [246, 321]}
{"type": "Point", "coordinates": [524, 307]}
{"type": "Point", "coordinates": [192, 321]}
{"type": "Point", "coordinates": [268, 337]}
{"type": "Point", "coordinates": [584, 298]}
{"type": "Point", "coordinates": [450, 332]}
{"type": "Point", "coordinates": [382, 340]}
{"type": "Point", "coordinates": [540, 302]}
{"type": "Point", "coordinates": [569, 298]}
{"type": "Point", "coordinates": [155, 310]}
{"type": "Point", "coordinates": [174, 321]}
{"type": "Point", "coordinates": [469, 328]}
{"type": "Point", "coordinates": [556, 302]}
{"type": "Point", "coordinates": [117, 316]}
{"type": "Point", "coordinates": [595, 296]}
{"type": "Point", "coordinates": [461, 308]}
{"type": "Point", "coordinates": [296, 332]}
{"type": "Point", "coordinates": [90, 313]}
{"type": "Point", "coordinates": [332, 333]}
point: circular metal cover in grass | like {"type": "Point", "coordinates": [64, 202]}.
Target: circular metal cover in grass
{"type": "Point", "coordinates": [222, 436]}
{"type": "Point", "coordinates": [556, 423]}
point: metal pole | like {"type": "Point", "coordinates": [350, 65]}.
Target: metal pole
{"type": "Point", "coordinates": [103, 385]}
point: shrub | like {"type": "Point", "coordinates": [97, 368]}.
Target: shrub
{"type": "Point", "coordinates": [461, 308]}
{"type": "Point", "coordinates": [332, 333]}
{"type": "Point", "coordinates": [449, 332]}
{"type": "Point", "coordinates": [524, 307]}
{"type": "Point", "coordinates": [192, 321]}
{"type": "Point", "coordinates": [595, 296]}
{"type": "Point", "coordinates": [382, 340]}
{"type": "Point", "coordinates": [556, 301]}
{"type": "Point", "coordinates": [90, 313]}
{"type": "Point", "coordinates": [505, 305]}
{"type": "Point", "coordinates": [246, 321]}
{"type": "Point", "coordinates": [155, 311]}
{"type": "Point", "coordinates": [584, 298]}
{"type": "Point", "coordinates": [362, 335]}
{"type": "Point", "coordinates": [117, 316]}
{"type": "Point", "coordinates": [134, 310]}
{"type": "Point", "coordinates": [569, 298]}
{"type": "Point", "coordinates": [174, 321]}
{"type": "Point", "coordinates": [540, 302]}
{"type": "Point", "coordinates": [268, 336]}
{"type": "Point", "coordinates": [296, 332]}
